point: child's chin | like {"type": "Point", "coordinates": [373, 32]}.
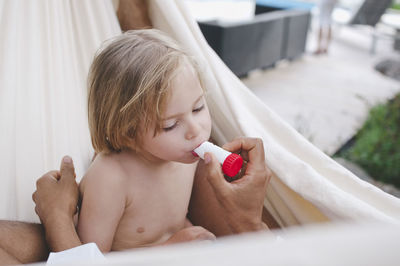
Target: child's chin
{"type": "Point", "coordinates": [190, 160]}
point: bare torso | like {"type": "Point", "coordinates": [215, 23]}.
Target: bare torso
{"type": "Point", "coordinates": [156, 199]}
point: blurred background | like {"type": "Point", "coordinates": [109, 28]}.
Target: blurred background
{"type": "Point", "coordinates": [344, 100]}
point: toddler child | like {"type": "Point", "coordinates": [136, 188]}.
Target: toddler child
{"type": "Point", "coordinates": [147, 113]}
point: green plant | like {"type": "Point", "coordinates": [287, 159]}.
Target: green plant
{"type": "Point", "coordinates": [377, 144]}
{"type": "Point", "coordinates": [396, 5]}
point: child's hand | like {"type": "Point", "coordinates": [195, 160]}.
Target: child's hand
{"type": "Point", "coordinates": [192, 233]}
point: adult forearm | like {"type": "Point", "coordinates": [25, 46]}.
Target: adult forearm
{"type": "Point", "coordinates": [61, 234]}
{"type": "Point", "coordinates": [241, 220]}
{"type": "Point", "coordinates": [7, 259]}
{"type": "Point", "coordinates": [242, 226]}
{"type": "Point", "coordinates": [23, 241]}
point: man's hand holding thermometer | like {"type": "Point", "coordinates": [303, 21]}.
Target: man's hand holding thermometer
{"type": "Point", "coordinates": [235, 206]}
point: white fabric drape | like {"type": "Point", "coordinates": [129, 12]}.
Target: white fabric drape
{"type": "Point", "coordinates": [46, 48]}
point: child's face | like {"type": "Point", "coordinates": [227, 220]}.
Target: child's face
{"type": "Point", "coordinates": [186, 122]}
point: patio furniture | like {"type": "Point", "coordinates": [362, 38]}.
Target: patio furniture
{"type": "Point", "coordinates": [272, 35]}
{"type": "Point", "coordinates": [369, 13]}
{"type": "Point", "coordinates": [389, 28]}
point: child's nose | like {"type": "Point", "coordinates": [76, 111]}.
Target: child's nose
{"type": "Point", "coordinates": [193, 130]}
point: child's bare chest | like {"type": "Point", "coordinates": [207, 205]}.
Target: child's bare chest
{"type": "Point", "coordinates": [156, 208]}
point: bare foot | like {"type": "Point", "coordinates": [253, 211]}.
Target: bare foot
{"type": "Point", "coordinates": [318, 52]}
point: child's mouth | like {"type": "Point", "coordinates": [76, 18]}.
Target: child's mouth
{"type": "Point", "coordinates": [194, 153]}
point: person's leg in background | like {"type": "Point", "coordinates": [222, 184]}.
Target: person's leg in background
{"type": "Point", "coordinates": [326, 8]}
{"type": "Point", "coordinates": [133, 14]}
{"type": "Point", "coordinates": [328, 39]}
{"type": "Point", "coordinates": [320, 39]}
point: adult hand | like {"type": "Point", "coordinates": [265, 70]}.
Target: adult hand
{"type": "Point", "coordinates": [56, 199]}
{"type": "Point", "coordinates": [57, 193]}
{"type": "Point", "coordinates": [235, 207]}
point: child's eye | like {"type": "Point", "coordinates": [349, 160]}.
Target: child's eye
{"type": "Point", "coordinates": [198, 109]}
{"type": "Point", "coordinates": [166, 129]}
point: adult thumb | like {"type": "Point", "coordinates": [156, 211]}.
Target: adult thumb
{"type": "Point", "coordinates": [214, 172]}
{"type": "Point", "coordinates": [67, 169]}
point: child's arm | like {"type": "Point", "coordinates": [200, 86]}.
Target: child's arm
{"type": "Point", "coordinates": [103, 204]}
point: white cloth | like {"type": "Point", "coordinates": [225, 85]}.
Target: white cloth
{"type": "Point", "coordinates": [88, 253]}
{"type": "Point", "coordinates": [45, 59]}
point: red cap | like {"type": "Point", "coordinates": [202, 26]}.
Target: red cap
{"type": "Point", "coordinates": [232, 164]}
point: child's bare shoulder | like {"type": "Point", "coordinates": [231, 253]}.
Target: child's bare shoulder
{"type": "Point", "coordinates": [105, 171]}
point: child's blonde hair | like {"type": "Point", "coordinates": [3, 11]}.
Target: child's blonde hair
{"type": "Point", "coordinates": [128, 87]}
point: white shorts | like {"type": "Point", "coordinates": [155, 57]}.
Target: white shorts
{"type": "Point", "coordinates": [325, 12]}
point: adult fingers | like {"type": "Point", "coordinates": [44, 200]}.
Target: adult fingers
{"type": "Point", "coordinates": [67, 169]}
{"type": "Point", "coordinates": [256, 153]}
{"type": "Point", "coordinates": [251, 149]}
{"type": "Point", "coordinates": [214, 173]}
{"type": "Point", "coordinates": [34, 196]}
{"type": "Point", "coordinates": [236, 146]}
{"type": "Point", "coordinates": [48, 178]}
{"type": "Point", "coordinates": [55, 175]}
{"type": "Point", "coordinates": [269, 174]}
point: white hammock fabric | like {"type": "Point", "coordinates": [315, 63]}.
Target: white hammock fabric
{"type": "Point", "coordinates": [45, 58]}
{"type": "Point", "coordinates": [46, 49]}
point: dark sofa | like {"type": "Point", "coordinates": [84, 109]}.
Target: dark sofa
{"type": "Point", "coordinates": [272, 35]}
